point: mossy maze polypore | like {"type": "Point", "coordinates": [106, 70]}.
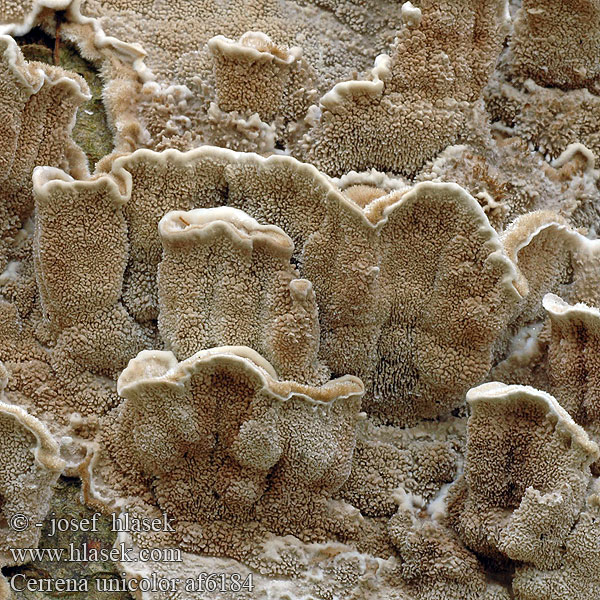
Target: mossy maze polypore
{"type": "Point", "coordinates": [323, 292]}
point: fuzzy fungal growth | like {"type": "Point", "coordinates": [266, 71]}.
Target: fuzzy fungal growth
{"type": "Point", "coordinates": [236, 443]}
{"type": "Point", "coordinates": [545, 459]}
{"type": "Point", "coordinates": [320, 290]}
{"type": "Point", "coordinates": [31, 465]}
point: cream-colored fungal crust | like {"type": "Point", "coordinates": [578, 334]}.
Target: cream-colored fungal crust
{"type": "Point", "coordinates": [57, 306]}
{"type": "Point", "coordinates": [336, 38]}
{"type": "Point", "coordinates": [377, 182]}
{"type": "Point", "coordinates": [416, 326]}
{"type": "Point", "coordinates": [549, 119]}
{"type": "Point", "coordinates": [218, 438]}
{"type": "Point", "coordinates": [542, 246]}
{"type": "Point", "coordinates": [556, 43]}
{"type": "Point", "coordinates": [577, 576]}
{"type": "Point", "coordinates": [180, 229]}
{"type": "Point", "coordinates": [415, 102]}
{"type": "Point", "coordinates": [80, 254]}
{"type": "Point", "coordinates": [18, 83]}
{"type": "Point", "coordinates": [550, 257]}
{"type": "Point", "coordinates": [434, 561]}
{"type": "Point", "coordinates": [295, 570]}
{"type": "Point", "coordinates": [525, 478]}
{"type": "Point", "coordinates": [163, 91]}
{"type": "Point", "coordinates": [47, 95]}
{"type": "Point", "coordinates": [552, 119]}
{"type": "Point", "coordinates": [152, 185]}
{"type": "Point", "coordinates": [573, 361]}
{"type": "Point", "coordinates": [30, 465]}
{"type": "Point", "coordinates": [80, 245]}
{"type": "Point", "coordinates": [278, 190]}
{"type": "Point", "coordinates": [420, 460]}
{"type": "Point", "coordinates": [122, 63]}
{"type": "Point", "coordinates": [508, 180]}
{"type": "Point", "coordinates": [18, 16]}
{"type": "Point", "coordinates": [226, 279]}
{"type": "Point", "coordinates": [70, 385]}
{"type": "Point", "coordinates": [37, 112]}
{"type": "Point", "coordinates": [254, 75]}
{"type": "Point", "coordinates": [164, 45]}
{"type": "Point", "coordinates": [197, 327]}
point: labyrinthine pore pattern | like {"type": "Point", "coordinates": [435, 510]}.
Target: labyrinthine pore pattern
{"type": "Point", "coordinates": [331, 303]}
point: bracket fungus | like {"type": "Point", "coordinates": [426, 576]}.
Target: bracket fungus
{"type": "Point", "coordinates": [414, 103]}
{"type": "Point", "coordinates": [330, 305]}
{"type": "Point", "coordinates": [39, 103]}
{"type": "Point", "coordinates": [544, 458]}
{"type": "Point", "coordinates": [548, 44]}
{"type": "Point", "coordinates": [219, 433]}
{"type": "Point", "coordinates": [80, 244]}
{"type": "Point", "coordinates": [367, 290]}
{"type": "Point", "coordinates": [572, 355]}
{"type": "Point", "coordinates": [31, 465]}
{"type": "Point", "coordinates": [577, 575]}
{"type": "Point", "coordinates": [273, 71]}
{"type": "Point", "coordinates": [264, 305]}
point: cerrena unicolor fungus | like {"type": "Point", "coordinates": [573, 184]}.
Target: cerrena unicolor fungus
{"type": "Point", "coordinates": [324, 323]}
